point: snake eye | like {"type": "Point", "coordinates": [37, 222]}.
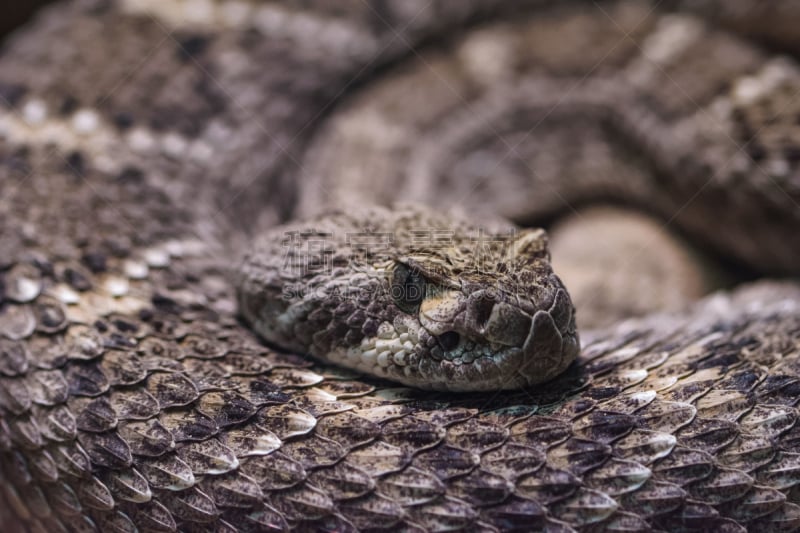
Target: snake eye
{"type": "Point", "coordinates": [408, 288]}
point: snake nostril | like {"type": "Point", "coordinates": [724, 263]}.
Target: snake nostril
{"type": "Point", "coordinates": [449, 340]}
{"type": "Point", "coordinates": [481, 311]}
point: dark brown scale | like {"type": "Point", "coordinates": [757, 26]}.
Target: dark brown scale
{"type": "Point", "coordinates": [446, 462]}
{"type": "Point", "coordinates": [157, 410]}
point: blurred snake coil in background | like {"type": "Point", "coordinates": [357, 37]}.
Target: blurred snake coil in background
{"type": "Point", "coordinates": [144, 144]}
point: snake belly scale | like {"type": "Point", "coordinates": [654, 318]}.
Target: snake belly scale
{"type": "Point", "coordinates": [144, 144]}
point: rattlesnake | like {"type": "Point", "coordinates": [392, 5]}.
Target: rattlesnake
{"type": "Point", "coordinates": [145, 143]}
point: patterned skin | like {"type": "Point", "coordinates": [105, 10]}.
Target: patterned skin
{"type": "Point", "coordinates": [143, 144]}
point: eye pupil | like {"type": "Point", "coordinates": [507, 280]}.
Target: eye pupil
{"type": "Point", "coordinates": [413, 287]}
{"type": "Point", "coordinates": [408, 288]}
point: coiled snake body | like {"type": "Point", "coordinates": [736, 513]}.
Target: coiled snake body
{"type": "Point", "coordinates": [142, 144]}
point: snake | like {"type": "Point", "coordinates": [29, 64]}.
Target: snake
{"type": "Point", "coordinates": [271, 266]}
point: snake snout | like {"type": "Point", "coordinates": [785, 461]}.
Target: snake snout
{"type": "Point", "coordinates": [552, 343]}
{"type": "Point", "coordinates": [541, 340]}
{"type": "Point", "coordinates": [505, 324]}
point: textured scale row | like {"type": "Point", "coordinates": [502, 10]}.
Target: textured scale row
{"type": "Point", "coordinates": [131, 399]}
{"type": "Point", "coordinates": [670, 427]}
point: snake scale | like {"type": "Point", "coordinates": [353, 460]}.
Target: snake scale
{"type": "Point", "coordinates": [143, 143]}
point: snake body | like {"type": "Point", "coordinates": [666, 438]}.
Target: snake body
{"type": "Point", "coordinates": [143, 144]}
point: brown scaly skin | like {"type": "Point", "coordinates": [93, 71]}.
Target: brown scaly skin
{"type": "Point", "coordinates": [431, 301]}
{"type": "Point", "coordinates": [132, 397]}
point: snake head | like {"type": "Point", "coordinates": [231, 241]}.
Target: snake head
{"type": "Point", "coordinates": [496, 319]}
{"type": "Point", "coordinates": [463, 309]}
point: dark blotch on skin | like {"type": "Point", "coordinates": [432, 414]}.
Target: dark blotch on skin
{"type": "Point", "coordinates": [76, 164]}
{"type": "Point", "coordinates": [11, 94]}
{"type": "Point", "coordinates": [191, 47]}
{"type": "Point", "coordinates": [123, 120]}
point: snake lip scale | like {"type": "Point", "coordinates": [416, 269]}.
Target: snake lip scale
{"type": "Point", "coordinates": [197, 333]}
